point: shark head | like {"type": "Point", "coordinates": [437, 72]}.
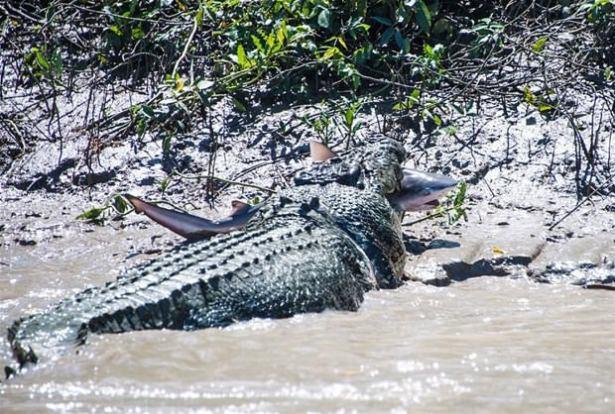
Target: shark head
{"type": "Point", "coordinates": [420, 190]}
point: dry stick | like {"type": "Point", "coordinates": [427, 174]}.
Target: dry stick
{"type": "Point", "coordinates": [21, 13]}
{"type": "Point", "coordinates": [429, 217]}
{"type": "Point", "coordinates": [579, 204]}
{"type": "Point", "coordinates": [224, 180]}
{"type": "Point", "coordinates": [170, 20]}
{"type": "Point", "coordinates": [185, 51]}
{"type": "Point", "coordinates": [15, 132]}
{"type": "Point", "coordinates": [211, 165]}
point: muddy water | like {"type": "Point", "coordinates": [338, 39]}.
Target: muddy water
{"type": "Point", "coordinates": [487, 344]}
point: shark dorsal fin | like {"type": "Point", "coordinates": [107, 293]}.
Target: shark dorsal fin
{"type": "Point", "coordinates": [319, 152]}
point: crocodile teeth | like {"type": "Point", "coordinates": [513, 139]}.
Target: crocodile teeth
{"type": "Point", "coordinates": [194, 227]}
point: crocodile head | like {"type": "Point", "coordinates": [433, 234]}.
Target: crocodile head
{"type": "Point", "coordinates": [372, 216]}
{"type": "Point", "coordinates": [373, 164]}
{"type": "Point", "coordinates": [377, 165]}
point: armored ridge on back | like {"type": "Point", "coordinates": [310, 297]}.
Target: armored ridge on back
{"type": "Point", "coordinates": [320, 245]}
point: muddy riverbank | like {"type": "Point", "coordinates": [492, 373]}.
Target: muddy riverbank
{"type": "Point", "coordinates": [502, 311]}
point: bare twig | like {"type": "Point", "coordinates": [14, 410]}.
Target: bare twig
{"type": "Point", "coordinates": [224, 180]}
{"type": "Point", "coordinates": [579, 204]}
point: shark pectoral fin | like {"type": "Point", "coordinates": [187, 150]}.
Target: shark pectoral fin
{"type": "Point", "coordinates": [320, 152]}
{"type": "Point", "coordinates": [194, 227]}
{"type": "Point", "coordinates": [184, 224]}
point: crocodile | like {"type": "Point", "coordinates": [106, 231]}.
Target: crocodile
{"type": "Point", "coordinates": [321, 244]}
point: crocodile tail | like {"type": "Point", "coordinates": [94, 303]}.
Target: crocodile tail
{"type": "Point", "coordinates": [69, 323]}
{"type": "Point", "coordinates": [27, 339]}
{"type": "Point", "coordinates": [23, 354]}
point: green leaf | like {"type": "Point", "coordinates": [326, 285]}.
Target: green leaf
{"type": "Point", "coordinates": [426, 114]}
{"type": "Point", "coordinates": [386, 36]}
{"type": "Point", "coordinates": [242, 58]}
{"type": "Point", "coordinates": [540, 44]}
{"type": "Point", "coordinates": [166, 143]}
{"type": "Point", "coordinates": [116, 30]}
{"type": "Point", "coordinates": [164, 184]}
{"type": "Point", "coordinates": [608, 73]}
{"type": "Point", "coordinates": [428, 50]}
{"type": "Point", "coordinates": [349, 117]}
{"type": "Point", "coordinates": [239, 105]}
{"type": "Point", "coordinates": [461, 194]}
{"type": "Point", "coordinates": [91, 214]}
{"type": "Point", "coordinates": [423, 16]}
{"type": "Point", "coordinates": [141, 127]}
{"type": "Point", "coordinates": [146, 111]}
{"type": "Point", "coordinates": [272, 44]}
{"type": "Point", "coordinates": [342, 42]}
{"type": "Point", "coordinates": [330, 53]}
{"type": "Point", "coordinates": [56, 61]}
{"type": "Point", "coordinates": [458, 108]}
{"type": "Point", "coordinates": [120, 204]}
{"type": "Point", "coordinates": [324, 18]}
{"type": "Point", "coordinates": [383, 20]}
{"type": "Point", "coordinates": [458, 201]}
{"type": "Point", "coordinates": [257, 42]}
{"type": "Point", "coordinates": [545, 108]}
{"type": "Point", "coordinates": [399, 40]}
{"type": "Point", "coordinates": [528, 96]}
{"type": "Point", "coordinates": [40, 59]}
{"type": "Point", "coordinates": [137, 33]}
{"type": "Point", "coordinates": [451, 130]}
{"type": "Point", "coordinates": [281, 33]}
{"type": "Point", "coordinates": [198, 18]}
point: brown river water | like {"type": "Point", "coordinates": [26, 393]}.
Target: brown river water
{"type": "Point", "coordinates": [483, 345]}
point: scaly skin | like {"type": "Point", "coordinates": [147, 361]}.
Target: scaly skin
{"type": "Point", "coordinates": [307, 249]}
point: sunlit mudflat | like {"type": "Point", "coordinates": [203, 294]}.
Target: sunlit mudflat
{"type": "Point", "coordinates": [487, 344]}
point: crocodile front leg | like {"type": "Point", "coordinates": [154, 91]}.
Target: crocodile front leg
{"type": "Point", "coordinates": [277, 272]}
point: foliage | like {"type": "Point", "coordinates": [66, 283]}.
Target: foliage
{"type": "Point", "coordinates": [425, 61]}
{"type": "Point", "coordinates": [116, 205]}
{"type": "Point", "coordinates": [489, 35]}
{"type": "Point", "coordinates": [545, 101]}
{"type": "Point", "coordinates": [601, 14]}
{"type": "Point", "coordinates": [453, 208]}
{"type": "Point", "coordinates": [43, 64]}
{"type": "Point", "coordinates": [334, 39]}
